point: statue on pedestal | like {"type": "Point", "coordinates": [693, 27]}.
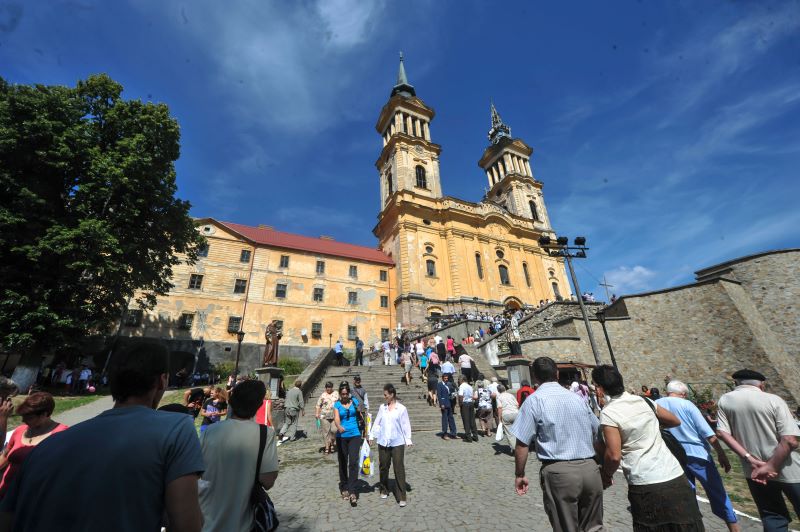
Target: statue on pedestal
{"type": "Point", "coordinates": [272, 336]}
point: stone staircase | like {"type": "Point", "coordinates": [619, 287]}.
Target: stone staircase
{"type": "Point", "coordinates": [423, 417]}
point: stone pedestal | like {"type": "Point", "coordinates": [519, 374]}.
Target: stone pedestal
{"type": "Point", "coordinates": [271, 377]}
{"type": "Point", "coordinates": [519, 369]}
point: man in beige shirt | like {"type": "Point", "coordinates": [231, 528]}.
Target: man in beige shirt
{"type": "Point", "coordinates": [759, 427]}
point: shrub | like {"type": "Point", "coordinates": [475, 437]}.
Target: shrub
{"type": "Point", "coordinates": [292, 366]}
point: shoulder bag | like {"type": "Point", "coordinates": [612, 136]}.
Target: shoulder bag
{"type": "Point", "coordinates": [670, 441]}
{"type": "Point", "coordinates": [264, 517]}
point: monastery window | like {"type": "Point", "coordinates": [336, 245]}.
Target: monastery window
{"type": "Point", "coordinates": [234, 324]}
{"type": "Point", "coordinates": [500, 254]}
{"type": "Point", "coordinates": [320, 267]}
{"type": "Point", "coordinates": [352, 332]}
{"type": "Point", "coordinates": [525, 272]}
{"type": "Point", "coordinates": [384, 334]}
{"type": "Point", "coordinates": [422, 181]}
{"type": "Point", "coordinates": [504, 278]}
{"type": "Point", "coordinates": [240, 286]}
{"type": "Point", "coordinates": [352, 298]}
{"type": "Point", "coordinates": [534, 212]}
{"type": "Point", "coordinates": [319, 294]}
{"type": "Point", "coordinates": [428, 249]}
{"type": "Point", "coordinates": [384, 301]}
{"type": "Point", "coordinates": [384, 275]}
{"type": "Point", "coordinates": [245, 256]}
{"type": "Point", "coordinates": [430, 268]}
{"type": "Point", "coordinates": [556, 292]}
{"type": "Point", "coordinates": [202, 251]}
{"type": "Point", "coordinates": [133, 318]}
{"type": "Point", "coordinates": [479, 265]}
{"type": "Point", "coordinates": [389, 187]}
{"type": "Point", "coordinates": [316, 330]}
{"type": "Point", "coordinates": [280, 291]}
{"type": "Point", "coordinates": [354, 272]}
{"type": "Point", "coordinates": [195, 281]}
{"type": "Point", "coordinates": [186, 321]}
{"type": "Point", "coordinates": [284, 261]}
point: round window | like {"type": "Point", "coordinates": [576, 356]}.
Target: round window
{"type": "Point", "coordinates": [500, 254]}
{"type": "Point", "coordinates": [428, 249]}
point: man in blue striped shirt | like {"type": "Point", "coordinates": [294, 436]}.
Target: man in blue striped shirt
{"type": "Point", "coordinates": [564, 430]}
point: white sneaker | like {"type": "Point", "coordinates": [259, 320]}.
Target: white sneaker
{"type": "Point", "coordinates": [285, 438]}
{"type": "Point", "coordinates": [278, 442]}
{"type": "Point", "coordinates": [384, 495]}
{"type": "Point", "coordinates": [402, 504]}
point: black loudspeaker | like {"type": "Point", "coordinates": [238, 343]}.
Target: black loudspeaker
{"type": "Point", "coordinates": [516, 348]}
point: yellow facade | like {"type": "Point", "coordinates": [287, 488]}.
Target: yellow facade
{"type": "Point", "coordinates": [306, 321]}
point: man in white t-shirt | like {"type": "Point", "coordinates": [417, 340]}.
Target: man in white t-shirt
{"type": "Point", "coordinates": [759, 427]}
{"type": "Point", "coordinates": [467, 403]}
{"type": "Point", "coordinates": [387, 353]}
{"type": "Point", "coordinates": [465, 362]}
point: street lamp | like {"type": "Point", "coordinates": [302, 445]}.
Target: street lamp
{"type": "Point", "coordinates": [601, 317]}
{"type": "Point", "coordinates": [561, 248]}
{"type": "Point", "coordinates": [475, 300]}
{"type": "Point", "coordinates": [239, 337]}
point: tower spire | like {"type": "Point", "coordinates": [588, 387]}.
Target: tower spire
{"type": "Point", "coordinates": [403, 87]}
{"type": "Point", "coordinates": [498, 130]}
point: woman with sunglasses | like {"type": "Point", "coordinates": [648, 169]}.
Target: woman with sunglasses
{"type": "Point", "coordinates": [36, 427]}
{"type": "Point", "coordinates": [392, 429]}
{"type": "Point", "coordinates": [348, 441]}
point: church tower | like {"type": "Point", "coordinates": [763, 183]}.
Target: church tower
{"type": "Point", "coordinates": [511, 183]}
{"type": "Point", "coordinates": [409, 160]}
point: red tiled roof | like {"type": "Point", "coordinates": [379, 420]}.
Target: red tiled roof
{"type": "Point", "coordinates": [270, 237]}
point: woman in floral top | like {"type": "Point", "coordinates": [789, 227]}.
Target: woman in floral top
{"type": "Point", "coordinates": [324, 413]}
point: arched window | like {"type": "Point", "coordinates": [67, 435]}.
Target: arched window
{"type": "Point", "coordinates": [422, 182]}
{"type": "Point", "coordinates": [534, 212]}
{"type": "Point", "coordinates": [479, 265]}
{"type": "Point", "coordinates": [389, 184]}
{"type": "Point", "coordinates": [556, 292]}
{"type": "Point", "coordinates": [527, 277]}
{"type": "Point", "coordinates": [504, 279]}
{"type": "Point", "coordinates": [430, 268]}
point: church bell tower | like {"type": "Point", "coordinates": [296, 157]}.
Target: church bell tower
{"type": "Point", "coordinates": [409, 161]}
{"type": "Point", "coordinates": [508, 169]}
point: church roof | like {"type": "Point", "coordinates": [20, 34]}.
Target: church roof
{"type": "Point", "coordinates": [403, 87]}
{"type": "Point", "coordinates": [269, 237]}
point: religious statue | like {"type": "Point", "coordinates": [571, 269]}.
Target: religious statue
{"type": "Point", "coordinates": [272, 336]}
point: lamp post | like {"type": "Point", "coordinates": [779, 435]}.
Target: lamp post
{"type": "Point", "coordinates": [475, 300]}
{"type": "Point", "coordinates": [601, 317]}
{"type": "Point", "coordinates": [239, 337]}
{"type": "Point", "coordinates": [561, 248]}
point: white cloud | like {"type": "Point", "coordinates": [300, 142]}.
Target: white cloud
{"type": "Point", "coordinates": [629, 280]}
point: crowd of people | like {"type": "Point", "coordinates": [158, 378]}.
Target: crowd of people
{"type": "Point", "coordinates": [581, 432]}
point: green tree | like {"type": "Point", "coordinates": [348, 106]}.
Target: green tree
{"type": "Point", "coordinates": [88, 213]}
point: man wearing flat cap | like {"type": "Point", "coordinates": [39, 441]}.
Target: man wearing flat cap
{"type": "Point", "coordinates": [759, 427]}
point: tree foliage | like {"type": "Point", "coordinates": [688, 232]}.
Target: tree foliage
{"type": "Point", "coordinates": [88, 210]}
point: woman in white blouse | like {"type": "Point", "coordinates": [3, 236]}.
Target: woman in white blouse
{"type": "Point", "coordinates": [660, 495]}
{"type": "Point", "coordinates": [392, 430]}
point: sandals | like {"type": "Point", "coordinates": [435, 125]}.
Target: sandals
{"type": "Point", "coordinates": [345, 494]}
{"type": "Point", "coordinates": [353, 500]}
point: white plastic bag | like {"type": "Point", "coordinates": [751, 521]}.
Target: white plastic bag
{"type": "Point", "coordinates": [499, 435]}
{"type": "Point", "coordinates": [364, 461]}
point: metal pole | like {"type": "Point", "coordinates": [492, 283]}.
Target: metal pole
{"type": "Point", "coordinates": [608, 342]}
{"type": "Point", "coordinates": [596, 354]}
{"type": "Point", "coordinates": [236, 366]}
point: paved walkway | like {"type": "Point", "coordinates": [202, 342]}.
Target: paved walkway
{"type": "Point", "coordinates": [74, 416]}
{"type": "Point", "coordinates": [452, 484]}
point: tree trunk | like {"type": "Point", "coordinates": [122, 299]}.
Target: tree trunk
{"type": "Point", "coordinates": [27, 370]}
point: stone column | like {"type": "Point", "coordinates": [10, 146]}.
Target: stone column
{"type": "Point", "coordinates": [528, 167]}
{"type": "Point", "coordinates": [409, 125]}
{"type": "Point", "coordinates": [501, 169]}
{"type": "Point", "coordinates": [427, 131]}
{"type": "Point", "coordinates": [489, 176]}
{"type": "Point", "coordinates": [509, 164]}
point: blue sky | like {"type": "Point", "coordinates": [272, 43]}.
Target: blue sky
{"type": "Point", "coordinates": [667, 133]}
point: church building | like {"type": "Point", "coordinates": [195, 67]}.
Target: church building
{"type": "Point", "coordinates": [436, 255]}
{"type": "Point", "coordinates": [452, 255]}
